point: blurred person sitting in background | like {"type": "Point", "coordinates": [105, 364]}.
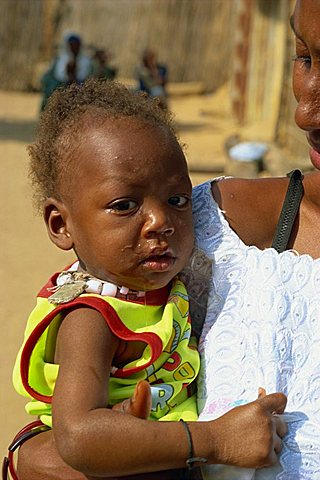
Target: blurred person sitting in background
{"type": "Point", "coordinates": [100, 65]}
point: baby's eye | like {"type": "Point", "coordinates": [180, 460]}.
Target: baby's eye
{"type": "Point", "coordinates": [178, 201]}
{"type": "Point", "coordinates": [123, 206]}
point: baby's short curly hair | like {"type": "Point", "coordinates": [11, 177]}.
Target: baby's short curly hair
{"type": "Point", "coordinates": [68, 112]}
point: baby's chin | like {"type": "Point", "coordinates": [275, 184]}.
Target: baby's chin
{"type": "Point", "coordinates": [148, 285]}
{"type": "Point", "coordinates": [153, 282]}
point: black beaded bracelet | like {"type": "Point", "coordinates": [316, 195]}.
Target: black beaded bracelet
{"type": "Point", "coordinates": [192, 459]}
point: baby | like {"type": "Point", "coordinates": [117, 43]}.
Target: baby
{"type": "Point", "coordinates": [113, 184]}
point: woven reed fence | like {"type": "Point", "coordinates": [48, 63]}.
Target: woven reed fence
{"type": "Point", "coordinates": [193, 37]}
{"type": "Point", "coordinates": [20, 41]}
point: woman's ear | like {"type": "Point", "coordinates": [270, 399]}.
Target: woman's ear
{"type": "Point", "coordinates": [55, 215]}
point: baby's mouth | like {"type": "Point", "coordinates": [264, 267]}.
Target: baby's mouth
{"type": "Point", "coordinates": [159, 262]}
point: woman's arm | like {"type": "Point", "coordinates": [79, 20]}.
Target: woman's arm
{"type": "Point", "coordinates": [101, 442]}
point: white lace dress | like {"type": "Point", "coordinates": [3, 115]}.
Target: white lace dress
{"type": "Point", "coordinates": [262, 329]}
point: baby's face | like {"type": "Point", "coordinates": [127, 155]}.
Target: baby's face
{"type": "Point", "coordinates": [128, 206]}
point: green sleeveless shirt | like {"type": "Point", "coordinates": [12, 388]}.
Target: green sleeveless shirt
{"type": "Point", "coordinates": [170, 360]}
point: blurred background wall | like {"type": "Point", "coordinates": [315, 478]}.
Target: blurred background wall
{"type": "Point", "coordinates": [245, 43]}
{"type": "Point", "coordinates": [181, 31]}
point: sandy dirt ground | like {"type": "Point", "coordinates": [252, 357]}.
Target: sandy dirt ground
{"type": "Point", "coordinates": [27, 256]}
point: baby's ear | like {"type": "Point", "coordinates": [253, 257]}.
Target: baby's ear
{"type": "Point", "coordinates": [55, 215]}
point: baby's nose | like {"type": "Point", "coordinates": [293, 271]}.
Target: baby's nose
{"type": "Point", "coordinates": [158, 223]}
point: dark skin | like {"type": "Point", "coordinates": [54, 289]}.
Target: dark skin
{"type": "Point", "coordinates": [151, 222]}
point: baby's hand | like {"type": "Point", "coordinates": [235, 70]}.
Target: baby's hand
{"type": "Point", "coordinates": [250, 435]}
{"type": "Point", "coordinates": [139, 405]}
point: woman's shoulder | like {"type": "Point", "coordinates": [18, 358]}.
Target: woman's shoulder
{"type": "Point", "coordinates": [252, 206]}
{"type": "Point", "coordinates": [231, 190]}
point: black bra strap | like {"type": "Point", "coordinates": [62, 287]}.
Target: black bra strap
{"type": "Point", "coordinates": [289, 211]}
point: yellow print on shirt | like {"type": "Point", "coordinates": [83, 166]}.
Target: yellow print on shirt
{"type": "Point", "coordinates": [181, 301]}
{"type": "Point", "coordinates": [174, 339]}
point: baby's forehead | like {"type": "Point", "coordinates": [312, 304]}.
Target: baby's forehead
{"type": "Point", "coordinates": [127, 137]}
{"type": "Point", "coordinates": [123, 131]}
{"type": "Point", "coordinates": [98, 119]}
{"type": "Point", "coordinates": [126, 149]}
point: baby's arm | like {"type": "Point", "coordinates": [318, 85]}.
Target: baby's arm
{"type": "Point", "coordinates": [38, 457]}
{"type": "Point", "coordinates": [90, 437]}
{"type": "Point", "coordinates": [102, 442]}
